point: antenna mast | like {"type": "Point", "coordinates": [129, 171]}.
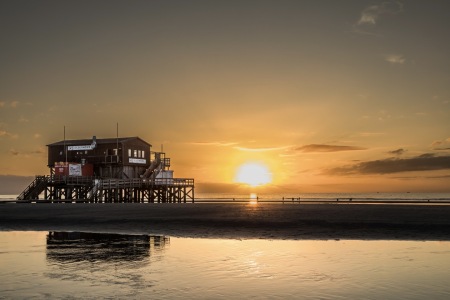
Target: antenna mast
{"type": "Point", "coordinates": [65, 148]}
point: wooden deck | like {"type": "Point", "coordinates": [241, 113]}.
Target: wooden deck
{"type": "Point", "coordinates": [74, 189]}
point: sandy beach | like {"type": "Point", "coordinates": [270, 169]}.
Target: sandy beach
{"type": "Point", "coordinates": [240, 221]}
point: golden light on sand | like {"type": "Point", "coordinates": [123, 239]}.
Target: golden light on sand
{"type": "Point", "coordinates": [253, 174]}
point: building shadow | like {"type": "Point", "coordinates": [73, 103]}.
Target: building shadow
{"type": "Point", "coordinates": [72, 247]}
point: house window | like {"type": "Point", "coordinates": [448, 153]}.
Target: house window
{"type": "Point", "coordinates": [135, 153]}
{"type": "Point", "coordinates": [129, 152]}
{"type": "Point", "coordinates": [143, 154]}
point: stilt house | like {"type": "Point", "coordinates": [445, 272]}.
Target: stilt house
{"type": "Point", "coordinates": [108, 170]}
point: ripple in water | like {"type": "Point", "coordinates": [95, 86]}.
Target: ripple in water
{"type": "Point", "coordinates": [75, 265]}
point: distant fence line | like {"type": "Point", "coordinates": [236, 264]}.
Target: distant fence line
{"type": "Point", "coordinates": [318, 200]}
{"type": "Point", "coordinates": [287, 200]}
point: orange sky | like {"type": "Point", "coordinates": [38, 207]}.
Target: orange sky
{"type": "Point", "coordinates": [332, 96]}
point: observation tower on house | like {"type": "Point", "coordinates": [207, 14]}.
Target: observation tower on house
{"type": "Point", "coordinates": [122, 170]}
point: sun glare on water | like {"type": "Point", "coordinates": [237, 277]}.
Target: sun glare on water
{"type": "Point", "coordinates": [253, 174]}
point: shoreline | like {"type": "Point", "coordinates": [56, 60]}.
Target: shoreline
{"type": "Point", "coordinates": [237, 220]}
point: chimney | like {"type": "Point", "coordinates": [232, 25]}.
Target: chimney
{"type": "Point", "coordinates": [94, 142]}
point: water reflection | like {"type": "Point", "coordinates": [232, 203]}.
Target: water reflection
{"type": "Point", "coordinates": [100, 261]}
{"type": "Point", "coordinates": [98, 247]}
{"type": "Point", "coordinates": [43, 265]}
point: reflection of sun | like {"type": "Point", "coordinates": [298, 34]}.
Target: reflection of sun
{"type": "Point", "coordinates": [253, 198]}
{"type": "Point", "coordinates": [253, 174]}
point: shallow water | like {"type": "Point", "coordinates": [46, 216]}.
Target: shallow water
{"type": "Point", "coordinates": [36, 265]}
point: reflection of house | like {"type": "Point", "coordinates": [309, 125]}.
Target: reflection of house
{"type": "Point", "coordinates": [101, 247]}
{"type": "Point", "coordinates": [127, 157]}
{"type": "Point", "coordinates": [108, 170]}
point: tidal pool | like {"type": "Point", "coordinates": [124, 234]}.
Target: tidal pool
{"type": "Point", "coordinates": [74, 265]}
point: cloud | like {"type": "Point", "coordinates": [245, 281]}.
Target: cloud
{"type": "Point", "coordinates": [370, 15]}
{"type": "Point", "coordinates": [441, 145]}
{"type": "Point", "coordinates": [395, 59]}
{"type": "Point", "coordinates": [397, 152]}
{"type": "Point", "coordinates": [369, 134]}
{"type": "Point", "coordinates": [229, 144]}
{"type": "Point", "coordinates": [261, 149]}
{"type": "Point", "coordinates": [22, 119]}
{"type": "Point", "coordinates": [8, 134]}
{"type": "Point", "coordinates": [12, 104]}
{"type": "Point", "coordinates": [37, 135]}
{"type": "Point", "coordinates": [15, 152]}
{"type": "Point", "coordinates": [425, 162]}
{"type": "Point", "coordinates": [437, 143]}
{"type": "Point", "coordinates": [327, 148]}
{"type": "Point", "coordinates": [218, 144]}
{"type": "Point", "coordinates": [37, 151]}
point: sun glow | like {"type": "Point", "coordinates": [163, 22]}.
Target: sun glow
{"type": "Point", "coordinates": [253, 174]}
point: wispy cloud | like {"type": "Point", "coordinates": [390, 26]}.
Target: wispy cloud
{"type": "Point", "coordinates": [12, 104]}
{"type": "Point", "coordinates": [22, 119]}
{"type": "Point", "coordinates": [369, 134]}
{"type": "Point", "coordinates": [371, 15]}
{"type": "Point", "coordinates": [240, 148]}
{"type": "Point", "coordinates": [327, 148]}
{"type": "Point", "coordinates": [441, 145]}
{"type": "Point", "coordinates": [8, 134]}
{"type": "Point", "coordinates": [425, 162]}
{"type": "Point", "coordinates": [395, 59]}
{"type": "Point", "coordinates": [217, 144]}
{"type": "Point", "coordinates": [397, 152]}
{"type": "Point", "coordinates": [261, 149]}
{"type": "Point", "coordinates": [15, 152]}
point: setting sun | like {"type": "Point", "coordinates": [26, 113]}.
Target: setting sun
{"type": "Point", "coordinates": [253, 174]}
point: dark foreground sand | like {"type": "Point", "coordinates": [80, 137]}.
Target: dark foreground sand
{"type": "Point", "coordinates": [272, 221]}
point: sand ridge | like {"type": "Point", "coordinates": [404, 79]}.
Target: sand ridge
{"type": "Point", "coordinates": [273, 221]}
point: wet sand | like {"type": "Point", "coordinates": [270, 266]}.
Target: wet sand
{"type": "Point", "coordinates": [240, 221]}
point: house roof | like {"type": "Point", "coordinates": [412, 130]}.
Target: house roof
{"type": "Point", "coordinates": [99, 141]}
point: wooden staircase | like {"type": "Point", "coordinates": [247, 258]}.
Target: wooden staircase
{"type": "Point", "coordinates": [35, 188]}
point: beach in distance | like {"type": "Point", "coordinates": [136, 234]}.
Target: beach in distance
{"type": "Point", "coordinates": [236, 220]}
